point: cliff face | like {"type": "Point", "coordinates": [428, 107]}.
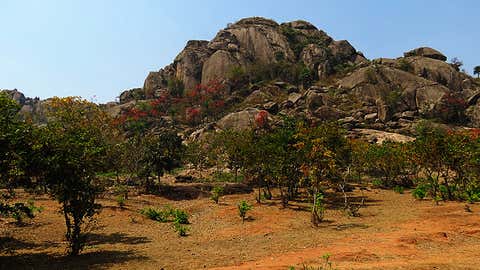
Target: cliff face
{"type": "Point", "coordinates": [253, 41]}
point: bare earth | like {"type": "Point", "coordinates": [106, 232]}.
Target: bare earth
{"type": "Point", "coordinates": [394, 232]}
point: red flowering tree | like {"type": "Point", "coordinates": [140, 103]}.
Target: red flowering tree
{"type": "Point", "coordinates": [206, 101]}
{"type": "Point", "coordinates": [261, 119]}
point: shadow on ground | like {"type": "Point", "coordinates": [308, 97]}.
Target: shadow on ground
{"type": "Point", "coordinates": [13, 256]}
{"type": "Point", "coordinates": [88, 260]}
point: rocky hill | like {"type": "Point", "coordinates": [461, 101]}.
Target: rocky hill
{"type": "Point", "coordinates": [298, 70]}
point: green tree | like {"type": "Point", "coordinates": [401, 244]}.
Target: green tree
{"type": "Point", "coordinates": [15, 152]}
{"type": "Point", "coordinates": [429, 153]}
{"type": "Point", "coordinates": [476, 71]}
{"type": "Point", "coordinates": [325, 155]}
{"type": "Point", "coordinates": [160, 152]}
{"type": "Point", "coordinates": [74, 144]}
{"type": "Point", "coordinates": [389, 161]}
{"type": "Point", "coordinates": [14, 143]}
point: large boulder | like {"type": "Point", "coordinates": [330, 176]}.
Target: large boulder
{"type": "Point", "coordinates": [251, 40]}
{"type": "Point", "coordinates": [132, 94]}
{"type": "Point", "coordinates": [426, 52]}
{"type": "Point", "coordinates": [188, 64]}
{"type": "Point", "coordinates": [396, 88]}
{"type": "Point", "coordinates": [16, 95]}
{"type": "Point", "coordinates": [431, 69]}
{"type": "Point", "coordinates": [241, 120]}
{"type": "Point", "coordinates": [157, 80]}
{"type": "Point", "coordinates": [218, 65]}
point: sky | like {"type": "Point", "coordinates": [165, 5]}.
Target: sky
{"type": "Point", "coordinates": [98, 48]}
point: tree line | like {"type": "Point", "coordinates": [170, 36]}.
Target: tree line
{"type": "Point", "coordinates": [66, 157]}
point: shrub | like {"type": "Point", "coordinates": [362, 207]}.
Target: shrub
{"type": "Point", "coordinates": [420, 192]}
{"type": "Point", "coordinates": [318, 207]}
{"type": "Point", "coordinates": [216, 193]}
{"type": "Point", "coordinates": [243, 208]}
{"type": "Point", "coordinates": [180, 229]}
{"type": "Point", "coordinates": [157, 215]}
{"type": "Point", "coordinates": [378, 183]}
{"type": "Point", "coordinates": [326, 265]}
{"type": "Point", "coordinates": [122, 195]}
{"type": "Point", "coordinates": [180, 216]}
{"type": "Point", "coordinates": [399, 189]}
{"type": "Point", "coordinates": [20, 211]}
{"type": "Point", "coordinates": [176, 87]}
{"type": "Point", "coordinates": [472, 195]}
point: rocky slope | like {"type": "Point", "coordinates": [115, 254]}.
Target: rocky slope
{"type": "Point", "coordinates": [382, 94]}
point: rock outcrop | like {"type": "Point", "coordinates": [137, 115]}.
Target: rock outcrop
{"type": "Point", "coordinates": [426, 52]}
{"type": "Point", "coordinates": [254, 41]}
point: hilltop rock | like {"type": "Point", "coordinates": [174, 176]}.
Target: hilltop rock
{"type": "Point", "coordinates": [426, 52]}
{"type": "Point", "coordinates": [253, 41]}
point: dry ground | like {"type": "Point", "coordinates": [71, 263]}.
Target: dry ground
{"type": "Point", "coordinates": [394, 232]}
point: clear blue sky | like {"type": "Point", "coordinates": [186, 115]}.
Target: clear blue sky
{"type": "Point", "coordinates": [101, 47]}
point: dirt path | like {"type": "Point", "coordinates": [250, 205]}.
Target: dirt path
{"type": "Point", "coordinates": [393, 232]}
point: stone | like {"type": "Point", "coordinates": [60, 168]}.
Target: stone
{"type": "Point", "coordinates": [241, 120]}
{"type": "Point", "coordinates": [426, 52]}
{"type": "Point", "coordinates": [294, 97]}
{"type": "Point", "coordinates": [271, 107]}
{"type": "Point", "coordinates": [371, 117]}
{"type": "Point", "coordinates": [410, 115]}
{"type": "Point", "coordinates": [348, 120]}
{"type": "Point", "coordinates": [326, 113]}
{"type": "Point", "coordinates": [314, 100]}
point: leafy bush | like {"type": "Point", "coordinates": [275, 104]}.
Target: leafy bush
{"type": "Point", "coordinates": [420, 192]}
{"type": "Point", "coordinates": [168, 214]}
{"type": "Point", "coordinates": [120, 199]}
{"type": "Point", "coordinates": [318, 207]}
{"type": "Point", "coordinates": [243, 208]}
{"type": "Point", "coordinates": [180, 216]}
{"type": "Point", "coordinates": [156, 214]}
{"type": "Point", "coordinates": [216, 193]}
{"type": "Point", "coordinates": [378, 183]}
{"type": "Point", "coordinates": [176, 87]}
{"type": "Point", "coordinates": [20, 211]}
{"type": "Point", "coordinates": [122, 194]}
{"type": "Point", "coordinates": [180, 229]}
{"type": "Point", "coordinates": [399, 189]}
{"type": "Point", "coordinates": [472, 194]}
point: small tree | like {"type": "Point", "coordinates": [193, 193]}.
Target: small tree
{"type": "Point", "coordinates": [74, 144]}
{"type": "Point", "coordinates": [243, 208]}
{"type": "Point", "coordinates": [216, 193]}
{"type": "Point", "coordinates": [325, 153]}
{"type": "Point", "coordinates": [476, 71]}
{"type": "Point", "coordinates": [15, 155]}
{"type": "Point", "coordinates": [161, 152]}
{"type": "Point", "coordinates": [456, 63]}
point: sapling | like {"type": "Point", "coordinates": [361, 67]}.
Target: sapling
{"type": "Point", "coordinates": [216, 193]}
{"type": "Point", "coordinates": [243, 208]}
